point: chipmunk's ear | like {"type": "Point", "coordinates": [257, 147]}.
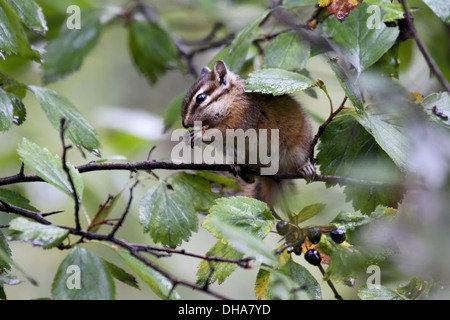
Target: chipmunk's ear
{"type": "Point", "coordinates": [205, 71]}
{"type": "Point", "coordinates": [221, 72]}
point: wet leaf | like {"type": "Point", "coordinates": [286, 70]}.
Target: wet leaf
{"type": "Point", "coordinates": [46, 236]}
{"type": "Point", "coordinates": [84, 268]}
{"type": "Point", "coordinates": [155, 280]}
{"type": "Point", "coordinates": [277, 82]}
{"type": "Point", "coordinates": [169, 217]}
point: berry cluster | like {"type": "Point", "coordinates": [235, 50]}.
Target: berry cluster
{"type": "Point", "coordinates": [296, 236]}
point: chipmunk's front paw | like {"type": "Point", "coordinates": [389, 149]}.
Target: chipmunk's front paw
{"type": "Point", "coordinates": [308, 171]}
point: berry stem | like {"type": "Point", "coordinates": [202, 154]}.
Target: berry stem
{"type": "Point", "coordinates": [330, 284]}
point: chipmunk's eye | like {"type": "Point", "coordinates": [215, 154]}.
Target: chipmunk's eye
{"type": "Point", "coordinates": [200, 98]}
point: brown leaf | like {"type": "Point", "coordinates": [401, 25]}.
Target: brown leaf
{"type": "Point", "coordinates": [340, 8]}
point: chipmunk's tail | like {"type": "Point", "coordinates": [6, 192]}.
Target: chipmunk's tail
{"type": "Point", "coordinates": [265, 189]}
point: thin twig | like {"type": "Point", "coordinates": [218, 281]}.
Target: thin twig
{"type": "Point", "coordinates": [127, 208]}
{"type": "Point", "coordinates": [76, 199]}
{"type": "Point", "coordinates": [321, 129]}
{"type": "Point", "coordinates": [431, 63]}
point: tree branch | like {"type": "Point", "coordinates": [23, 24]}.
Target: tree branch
{"type": "Point", "coordinates": [431, 63]}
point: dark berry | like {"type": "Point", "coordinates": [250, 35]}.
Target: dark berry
{"type": "Point", "coordinates": [282, 227]}
{"type": "Point", "coordinates": [314, 235]}
{"type": "Point", "coordinates": [313, 257]}
{"type": "Point", "coordinates": [337, 235]}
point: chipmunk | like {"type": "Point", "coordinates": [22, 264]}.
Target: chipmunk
{"type": "Point", "coordinates": [218, 99]}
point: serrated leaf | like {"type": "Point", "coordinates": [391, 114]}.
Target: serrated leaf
{"type": "Point", "coordinates": [196, 188]}
{"type": "Point", "coordinates": [214, 270]}
{"type": "Point", "coordinates": [437, 106]}
{"type": "Point", "coordinates": [121, 275]}
{"type": "Point", "coordinates": [345, 260]}
{"type": "Point", "coordinates": [13, 38]}
{"type": "Point", "coordinates": [250, 215]}
{"type": "Point", "coordinates": [83, 268]}
{"type": "Point", "coordinates": [303, 282]}
{"type": "Point", "coordinates": [277, 82]}
{"type": "Point", "coordinates": [168, 217]}
{"type": "Point", "coordinates": [152, 48]}
{"type": "Point", "coordinates": [155, 280]}
{"type": "Point", "coordinates": [347, 149]}
{"type": "Point", "coordinates": [348, 83]}
{"type": "Point", "coordinates": [6, 111]}
{"type": "Point", "coordinates": [287, 51]}
{"type": "Point", "coordinates": [353, 39]}
{"type": "Point", "coordinates": [243, 241]}
{"type": "Point", "coordinates": [31, 14]}
{"type": "Point", "coordinates": [65, 54]}
{"type": "Point", "coordinates": [394, 11]}
{"type": "Point", "coordinates": [49, 167]}
{"type": "Point", "coordinates": [46, 236]}
{"type": "Point", "coordinates": [56, 107]}
{"type": "Point", "coordinates": [19, 111]}
{"type": "Point", "coordinates": [440, 8]}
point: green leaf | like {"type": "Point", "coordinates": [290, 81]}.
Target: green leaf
{"type": "Point", "coordinates": [19, 111]}
{"type": "Point", "coordinates": [235, 54]}
{"type": "Point", "coordinates": [249, 215]}
{"type": "Point", "coordinates": [168, 217]}
{"type": "Point", "coordinates": [377, 293]}
{"type": "Point", "coordinates": [302, 284]}
{"type": "Point", "coordinates": [416, 289]}
{"type": "Point", "coordinates": [348, 83]}
{"type": "Point", "coordinates": [393, 11]}
{"type": "Point", "coordinates": [386, 124]}
{"type": "Point", "coordinates": [196, 188]}
{"type": "Point", "coordinates": [155, 280]}
{"type": "Point", "coordinates": [152, 48]}
{"type": "Point", "coordinates": [353, 39]}
{"type": "Point", "coordinates": [277, 82]}
{"type": "Point", "coordinates": [49, 167]}
{"type": "Point", "coordinates": [308, 212]}
{"type": "Point", "coordinates": [437, 106]}
{"type": "Point", "coordinates": [173, 111]}
{"type": "Point", "coordinates": [56, 107]}
{"type": "Point", "coordinates": [345, 260]}
{"type": "Point", "coordinates": [121, 274]}
{"type": "Point", "coordinates": [287, 51]}
{"type": "Point", "coordinates": [13, 38]}
{"type": "Point", "coordinates": [5, 253]}
{"type": "Point", "coordinates": [440, 8]}
{"type": "Point", "coordinates": [31, 14]}
{"type": "Point", "coordinates": [242, 240]}
{"type": "Point", "coordinates": [65, 54]}
{"type": "Point", "coordinates": [347, 149]}
{"type": "Point", "coordinates": [16, 199]}
{"type": "Point", "coordinates": [223, 180]}
{"type": "Point", "coordinates": [82, 275]}
{"type": "Point", "coordinates": [214, 270]}
{"type": "Point", "coordinates": [6, 111]}
{"type": "Point", "coordinates": [46, 236]}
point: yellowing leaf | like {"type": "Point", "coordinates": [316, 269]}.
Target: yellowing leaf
{"type": "Point", "coordinates": [340, 8]}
